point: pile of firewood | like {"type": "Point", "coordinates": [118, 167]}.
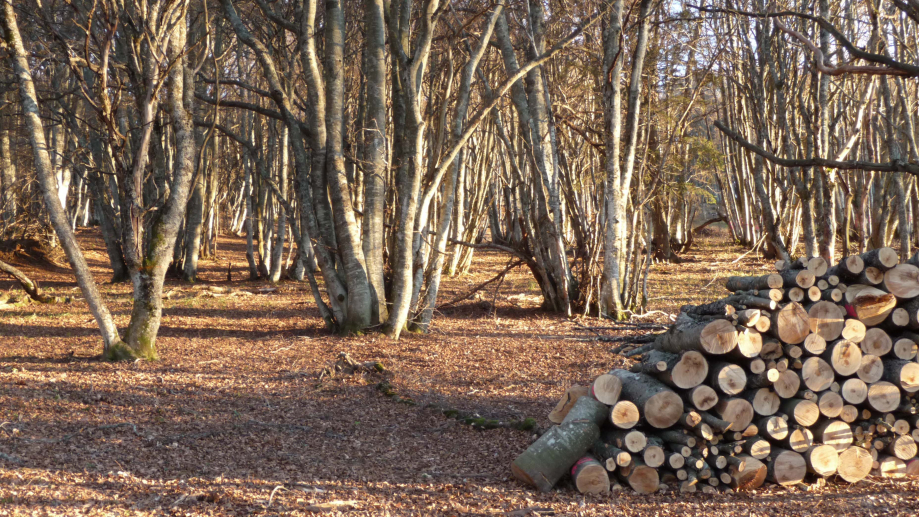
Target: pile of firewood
{"type": "Point", "coordinates": [805, 373]}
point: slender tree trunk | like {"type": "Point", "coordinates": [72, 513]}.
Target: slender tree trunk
{"type": "Point", "coordinates": [42, 162]}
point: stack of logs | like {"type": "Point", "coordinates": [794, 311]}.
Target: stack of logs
{"type": "Point", "coordinates": [805, 373]}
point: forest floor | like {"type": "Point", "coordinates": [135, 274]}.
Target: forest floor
{"type": "Point", "coordinates": [237, 418]}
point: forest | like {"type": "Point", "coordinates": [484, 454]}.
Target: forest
{"type": "Point", "coordinates": [310, 225]}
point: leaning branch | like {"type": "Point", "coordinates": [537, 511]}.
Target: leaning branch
{"type": "Point", "coordinates": [31, 288]}
{"type": "Point", "coordinates": [892, 166]}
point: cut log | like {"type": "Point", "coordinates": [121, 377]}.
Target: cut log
{"type": "Point", "coordinates": [830, 404]}
{"type": "Point", "coordinates": [822, 460]}
{"type": "Point", "coordinates": [835, 433]}
{"type": "Point", "coordinates": [870, 276]}
{"type": "Point", "coordinates": [701, 397]}
{"type": "Point", "coordinates": [902, 281]}
{"type": "Point", "coordinates": [764, 323]}
{"type": "Point", "coordinates": [590, 477]}
{"type": "Point", "coordinates": [904, 374]}
{"type": "Point", "coordinates": [751, 477]}
{"type": "Point", "coordinates": [609, 455]}
{"type": "Point", "coordinates": [659, 405]}
{"type": "Point", "coordinates": [848, 268]}
{"type": "Point", "coordinates": [749, 283]}
{"type": "Point", "coordinates": [800, 278]}
{"type": "Point", "coordinates": [871, 369]}
{"type": "Point", "coordinates": [796, 294]}
{"type": "Point", "coordinates": [624, 414]}
{"type": "Point", "coordinates": [891, 467]}
{"type": "Point", "coordinates": [799, 440]}
{"type": "Point", "coordinates": [715, 423]}
{"type": "Point", "coordinates": [606, 388]}
{"type": "Point", "coordinates": [642, 478]}
{"type": "Point", "coordinates": [854, 391]}
{"type": "Point", "coordinates": [817, 374]}
{"type": "Point", "coordinates": [735, 410]}
{"type": "Point", "coordinates": [749, 345]}
{"type": "Point", "coordinates": [787, 384]}
{"type": "Point", "coordinates": [681, 371]}
{"type": "Point", "coordinates": [727, 378]}
{"type": "Point", "coordinates": [905, 349]}
{"type": "Point", "coordinates": [714, 337]}
{"type": "Point", "coordinates": [654, 454]}
{"type": "Point", "coordinates": [757, 448]}
{"type": "Point", "coordinates": [587, 409]}
{"type": "Point", "coordinates": [680, 438]}
{"type": "Point", "coordinates": [883, 396]}
{"type": "Point", "coordinates": [903, 447]}
{"type": "Point", "coordinates": [854, 464]}
{"type": "Point", "coordinates": [814, 344]}
{"type": "Point", "coordinates": [765, 402]}
{"type": "Point", "coordinates": [881, 258]}
{"type": "Point", "coordinates": [876, 342]}
{"type": "Point", "coordinates": [843, 356]}
{"type": "Point", "coordinates": [833, 280]}
{"type": "Point", "coordinates": [804, 412]}
{"type": "Point", "coordinates": [704, 431]}
{"type": "Point", "coordinates": [814, 293]}
{"type": "Point", "coordinates": [548, 458]}
{"type": "Point", "coordinates": [897, 321]}
{"type": "Point", "coordinates": [790, 324]}
{"type": "Point", "coordinates": [871, 306]}
{"type": "Point", "coordinates": [756, 366]}
{"type": "Point", "coordinates": [854, 331]}
{"type": "Point", "coordinates": [773, 427]}
{"type": "Point", "coordinates": [849, 412]}
{"type": "Point", "coordinates": [629, 440]}
{"type": "Point", "coordinates": [567, 401]}
{"type": "Point", "coordinates": [817, 266]}
{"type": "Point", "coordinates": [748, 317]}
{"type": "Point", "coordinates": [786, 468]}
{"type": "Point", "coordinates": [676, 461]}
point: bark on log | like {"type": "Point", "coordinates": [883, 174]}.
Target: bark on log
{"type": "Point", "coordinates": [904, 374]}
{"type": "Point", "coordinates": [800, 278]}
{"type": "Point", "coordinates": [749, 283]}
{"type": "Point", "coordinates": [610, 455]}
{"type": "Point", "coordinates": [848, 268]}
{"type": "Point", "coordinates": [881, 258]}
{"type": "Point", "coordinates": [714, 337]}
{"type": "Point", "coordinates": [659, 405]}
{"type": "Point", "coordinates": [548, 458]}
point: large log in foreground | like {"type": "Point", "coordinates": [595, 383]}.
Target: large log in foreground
{"type": "Point", "coordinates": [808, 373]}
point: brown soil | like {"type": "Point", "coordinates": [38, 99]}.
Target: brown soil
{"type": "Point", "coordinates": [234, 418]}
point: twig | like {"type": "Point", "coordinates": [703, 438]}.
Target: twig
{"type": "Point", "coordinates": [751, 250]}
{"type": "Point", "coordinates": [271, 497]}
